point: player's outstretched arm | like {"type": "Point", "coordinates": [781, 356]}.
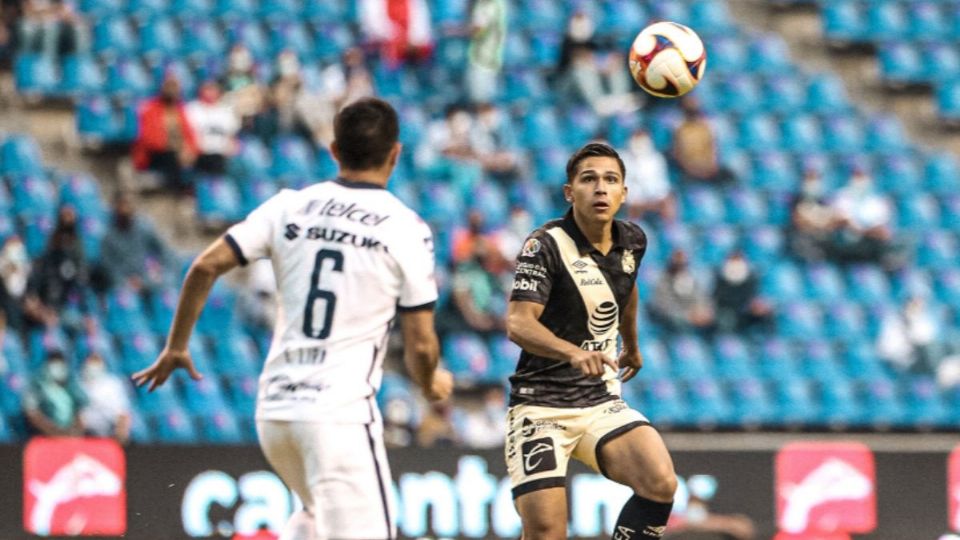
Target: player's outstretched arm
{"type": "Point", "coordinates": [630, 358]}
{"type": "Point", "coordinates": [421, 354]}
{"type": "Point", "coordinates": [218, 259]}
{"type": "Point", "coordinates": [525, 329]}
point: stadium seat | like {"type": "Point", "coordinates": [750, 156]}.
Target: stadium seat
{"type": "Point", "coordinates": [802, 133]}
{"type": "Point", "coordinates": [503, 358]}
{"type": "Point", "coordinates": [819, 361]}
{"type": "Point", "coordinates": [753, 406]}
{"type": "Point", "coordinates": [861, 361]}
{"type": "Point", "coordinates": [292, 159]}
{"type": "Point", "coordinates": [717, 242]}
{"type": "Point", "coordinates": [235, 354]}
{"type": "Point", "coordinates": [843, 21]}
{"type": "Point", "coordinates": [203, 395]}
{"type": "Point", "coordinates": [173, 426]}
{"type": "Point", "coordinates": [885, 21]}
{"type": "Point", "coordinates": [941, 174]}
{"type": "Point", "coordinates": [129, 79]}
{"type": "Point", "coordinates": [947, 285]}
{"type": "Point", "coordinates": [663, 402]}
{"type": "Point", "coordinates": [235, 10]}
{"type": "Point", "coordinates": [82, 192]}
{"type": "Point", "coordinates": [843, 134]}
{"type": "Point", "coordinates": [918, 212]}
{"type": "Point", "coordinates": [220, 426]}
{"type": "Point", "coordinates": [125, 314]}
{"type": "Point", "coordinates": [764, 245]}
{"type": "Point", "coordinates": [796, 403]}
{"type": "Point", "coordinates": [824, 283]}
{"type": "Point", "coordinates": [191, 9]}
{"type": "Point", "coordinates": [883, 406]}
{"type": "Point", "coordinates": [844, 320]}
{"type": "Point", "coordinates": [242, 391]}
{"type": "Point", "coordinates": [925, 404]}
{"type": "Point", "coordinates": [81, 76]}
{"type": "Point", "coordinates": [948, 100]}
{"type": "Point", "coordinates": [732, 357]}
{"type": "Point", "coordinates": [710, 17]}
{"type": "Point", "coordinates": [36, 231]}
{"type": "Point", "coordinates": [703, 206]}
{"type": "Point", "coordinates": [20, 156]}
{"type": "Point", "coordinates": [768, 54]}
{"type": "Point", "coordinates": [840, 404]}
{"type": "Point", "coordinates": [656, 359]}
{"type": "Point", "coordinates": [774, 171]}
{"type": "Point", "coordinates": [783, 95]}
{"type": "Point", "coordinates": [927, 21]}
{"type": "Point", "coordinates": [33, 196]}
{"type": "Point", "coordinates": [137, 352]}
{"type": "Point", "coordinates": [759, 131]}
{"type": "Point", "coordinates": [690, 356]}
{"type": "Point", "coordinates": [884, 134]}
{"type": "Point", "coordinates": [867, 284]}
{"type": "Point", "coordinates": [466, 356]}
{"type": "Point", "coordinates": [113, 37]}
{"type": "Point", "coordinates": [708, 404]}
{"type": "Point", "coordinates": [218, 200]}
{"type": "Point", "coordinates": [201, 39]}
{"type": "Point", "coordinates": [284, 11]}
{"type": "Point", "coordinates": [941, 61]}
{"type": "Point", "coordinates": [826, 95]}
{"type": "Point", "coordinates": [800, 320]}
{"type": "Point", "coordinates": [622, 18]}
{"type": "Point", "coordinates": [541, 15]}
{"type": "Point", "coordinates": [937, 250]}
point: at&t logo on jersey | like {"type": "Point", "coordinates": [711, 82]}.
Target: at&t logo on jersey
{"type": "Point", "coordinates": [521, 284]}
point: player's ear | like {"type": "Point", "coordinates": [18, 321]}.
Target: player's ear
{"type": "Point", "coordinates": [394, 154]}
{"type": "Point", "coordinates": [335, 151]}
{"type": "Point", "coordinates": [568, 192]}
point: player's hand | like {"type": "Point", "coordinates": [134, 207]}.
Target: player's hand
{"type": "Point", "coordinates": [168, 361]}
{"type": "Point", "coordinates": [591, 362]}
{"type": "Point", "coordinates": [441, 386]}
{"type": "Point", "coordinates": [631, 362]}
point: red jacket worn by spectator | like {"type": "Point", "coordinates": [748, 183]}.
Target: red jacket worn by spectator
{"type": "Point", "coordinates": [152, 132]}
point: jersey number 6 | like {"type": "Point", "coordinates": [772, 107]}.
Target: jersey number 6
{"type": "Point", "coordinates": [329, 298]}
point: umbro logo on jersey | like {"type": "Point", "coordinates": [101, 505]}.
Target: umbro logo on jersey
{"type": "Point", "coordinates": [525, 285]}
{"type": "Point", "coordinates": [579, 266]}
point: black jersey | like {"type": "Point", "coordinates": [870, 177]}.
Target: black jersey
{"type": "Point", "coordinates": [583, 293]}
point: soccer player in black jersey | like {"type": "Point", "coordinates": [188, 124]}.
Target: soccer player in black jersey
{"type": "Point", "coordinates": [573, 294]}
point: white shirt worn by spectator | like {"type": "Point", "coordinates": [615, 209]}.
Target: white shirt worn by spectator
{"type": "Point", "coordinates": [216, 125]}
{"type": "Point", "coordinates": [108, 399]}
{"type": "Point", "coordinates": [864, 207]}
{"type": "Point", "coordinates": [346, 257]}
{"type": "Point", "coordinates": [647, 178]}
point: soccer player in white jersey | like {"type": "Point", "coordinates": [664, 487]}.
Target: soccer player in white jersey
{"type": "Point", "coordinates": [347, 256]}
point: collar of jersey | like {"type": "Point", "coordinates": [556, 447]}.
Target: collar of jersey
{"type": "Point", "coordinates": [356, 184]}
{"type": "Point", "coordinates": [570, 226]}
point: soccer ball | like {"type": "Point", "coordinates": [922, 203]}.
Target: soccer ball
{"type": "Point", "coordinates": [667, 59]}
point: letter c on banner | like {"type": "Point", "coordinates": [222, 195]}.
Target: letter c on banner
{"type": "Point", "coordinates": [205, 489]}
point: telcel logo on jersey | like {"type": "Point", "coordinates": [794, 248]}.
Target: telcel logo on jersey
{"type": "Point", "coordinates": [74, 487]}
{"type": "Point", "coordinates": [826, 488]}
{"type": "Point", "coordinates": [521, 284]}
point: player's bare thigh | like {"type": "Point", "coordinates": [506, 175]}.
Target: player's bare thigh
{"type": "Point", "coordinates": [543, 513]}
{"type": "Point", "coordinates": [639, 459]}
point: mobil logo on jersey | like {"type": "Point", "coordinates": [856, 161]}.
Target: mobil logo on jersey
{"type": "Point", "coordinates": [74, 487]}
{"type": "Point", "coordinates": [826, 488]}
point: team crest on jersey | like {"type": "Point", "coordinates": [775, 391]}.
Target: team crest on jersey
{"type": "Point", "coordinates": [530, 248]}
{"type": "Point", "coordinates": [628, 263]}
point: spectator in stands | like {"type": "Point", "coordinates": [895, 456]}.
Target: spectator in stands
{"type": "Point", "coordinates": [399, 421]}
{"type": "Point", "coordinates": [14, 272]}
{"type": "Point", "coordinates": [739, 304]}
{"type": "Point", "coordinates": [449, 148]}
{"type": "Point", "coordinates": [216, 126]}
{"type": "Point", "coordinates": [478, 296]}
{"type": "Point", "coordinates": [679, 301]}
{"type": "Point", "coordinates": [341, 83]}
{"type": "Point", "coordinates": [59, 276]}
{"type": "Point", "coordinates": [465, 241]}
{"type": "Point", "coordinates": [483, 426]}
{"type": "Point", "coordinates": [131, 252]}
{"type": "Point", "coordinates": [52, 28]}
{"type": "Point", "coordinates": [166, 142]}
{"type": "Point", "coordinates": [510, 240]}
{"type": "Point", "coordinates": [812, 220]}
{"type": "Point", "coordinates": [592, 71]}
{"type": "Point", "coordinates": [242, 90]}
{"type": "Point", "coordinates": [488, 32]}
{"type": "Point", "coordinates": [648, 184]}
{"type": "Point", "coordinates": [695, 147]}
{"type": "Point", "coordinates": [910, 340]}
{"type": "Point", "coordinates": [436, 428]}
{"type": "Point", "coordinates": [53, 400]}
{"type": "Point", "coordinates": [864, 229]}
{"type": "Point", "coordinates": [400, 29]}
{"type": "Point", "coordinates": [281, 116]}
{"type": "Point", "coordinates": [258, 298]}
{"type": "Point", "coordinates": [107, 412]}
{"type": "Point", "coordinates": [495, 143]}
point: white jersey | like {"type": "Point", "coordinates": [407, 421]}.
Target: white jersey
{"type": "Point", "coordinates": [346, 257]}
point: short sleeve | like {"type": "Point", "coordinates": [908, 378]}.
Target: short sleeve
{"type": "Point", "coordinates": [414, 254]}
{"type": "Point", "coordinates": [252, 238]}
{"type": "Point", "coordinates": [533, 279]}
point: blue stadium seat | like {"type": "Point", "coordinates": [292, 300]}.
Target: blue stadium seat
{"type": "Point", "coordinates": [663, 402]}
{"type": "Point", "coordinates": [234, 10]}
{"type": "Point", "coordinates": [911, 282]}
{"type": "Point", "coordinates": [622, 18]}
{"type": "Point", "coordinates": [733, 357]}
{"type": "Point", "coordinates": [218, 200]}
{"type": "Point", "coordinates": [220, 426]}
{"type": "Point", "coordinates": [173, 426]}
{"type": "Point", "coordinates": [768, 53]}
{"type": "Point", "coordinates": [824, 283]}
{"type": "Point", "coordinates": [672, 11]}
{"type": "Point", "coordinates": [161, 399]}
{"type": "Point", "coordinates": [925, 404]}
{"type": "Point", "coordinates": [784, 95]}
{"type": "Point", "coordinates": [202, 395]}
{"type": "Point", "coordinates": [868, 284]}
{"type": "Point", "coordinates": [759, 131]}
{"type": "Point", "coordinates": [14, 354]}
{"type": "Point", "coordinates": [292, 36]}
{"type": "Point", "coordinates": [280, 10]}
{"type": "Point", "coordinates": [129, 79]}
{"type": "Point", "coordinates": [841, 407]}
{"type": "Point", "coordinates": [441, 204]}
{"type": "Point", "coordinates": [727, 55]}
{"type": "Point", "coordinates": [861, 361]}
{"type": "Point", "coordinates": [819, 361]}
{"type": "Point", "coordinates": [918, 211]}
{"type": "Point", "coordinates": [774, 171]}
{"type": "Point", "coordinates": [708, 404]}
{"type": "Point", "coordinates": [844, 320]}
{"type": "Point", "coordinates": [802, 133]}
{"type": "Point", "coordinates": [7, 434]}
{"type": "Point", "coordinates": [541, 15]}
{"type": "Point", "coordinates": [703, 206]}
{"type": "Point", "coordinates": [192, 9]}
{"type": "Point", "coordinates": [202, 39]}
{"type": "Point", "coordinates": [138, 351]}
{"type": "Point", "coordinates": [541, 129]}
{"type": "Point", "coordinates": [937, 250]}
{"type": "Point", "coordinates": [843, 21]}
{"type": "Point", "coordinates": [113, 37]}
{"type": "Point", "coordinates": [746, 208]}
{"type": "Point", "coordinates": [466, 356]}
{"type": "Point", "coordinates": [145, 10]}
{"type": "Point", "coordinates": [886, 21]}
{"type": "Point", "coordinates": [253, 159]}
{"type": "Point", "coordinates": [580, 124]}
{"type": "Point", "coordinates": [255, 192]}
{"type": "Point", "coordinates": [800, 320]}
{"type": "Point", "coordinates": [81, 76]}
{"type": "Point", "coordinates": [159, 38]}
{"type": "Point", "coordinates": [337, 38]}
{"type": "Point", "coordinates": [710, 17]}
{"type": "Point", "coordinates": [901, 63]}
{"type": "Point", "coordinates": [33, 196]}
{"type": "Point", "coordinates": [95, 120]}
{"type": "Point", "coordinates": [125, 314]}
{"type": "Point", "coordinates": [764, 245]}
{"type": "Point", "coordinates": [948, 100]}
{"type": "Point", "coordinates": [796, 403]}
{"type": "Point", "coordinates": [36, 231]}
{"type": "Point", "coordinates": [752, 403]}
{"type": "Point", "coordinates": [12, 388]}
{"type": "Point", "coordinates": [236, 354]}
{"type": "Point", "coordinates": [782, 282]}
{"type": "Point", "coordinates": [716, 242]}
{"type": "Point", "coordinates": [491, 201]}
{"type": "Point", "coordinates": [242, 391]}
{"type": "Point", "coordinates": [941, 174]}
{"type": "Point", "coordinates": [883, 405]}
{"type": "Point", "coordinates": [503, 358]}
{"type": "Point", "coordinates": [826, 94]}
{"type": "Point", "coordinates": [843, 134]}
{"type": "Point", "coordinates": [690, 356]}
{"type": "Point", "coordinates": [292, 159]}
{"type": "Point", "coordinates": [740, 94]}
{"type": "Point", "coordinates": [20, 155]}
{"type": "Point", "coordinates": [82, 192]}
{"type": "Point", "coordinates": [885, 134]}
{"type": "Point", "coordinates": [656, 359]}
{"type": "Point", "coordinates": [219, 314]}
{"type": "Point", "coordinates": [249, 32]}
{"type": "Point", "coordinates": [947, 285]}
{"type": "Point", "coordinates": [927, 21]}
{"type": "Point", "coordinates": [100, 8]}
{"type": "Point", "coordinates": [941, 61]}
{"type": "Point", "coordinates": [140, 430]}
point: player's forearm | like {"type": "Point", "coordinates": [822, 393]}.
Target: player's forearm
{"type": "Point", "coordinates": [421, 359]}
{"type": "Point", "coordinates": [193, 296]}
{"type": "Point", "coordinates": [535, 338]}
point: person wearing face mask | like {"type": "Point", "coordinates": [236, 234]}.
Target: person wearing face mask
{"type": "Point", "coordinates": [58, 277]}
{"type": "Point", "coordinates": [739, 307]}
{"type": "Point", "coordinates": [107, 413]}
{"type": "Point", "coordinates": [864, 231]}
{"type": "Point", "coordinates": [166, 142]}
{"type": "Point", "coordinates": [14, 271]}
{"type": "Point", "coordinates": [449, 149]}
{"type": "Point", "coordinates": [679, 301]}
{"type": "Point", "coordinates": [650, 191]}
{"type": "Point", "coordinates": [494, 141]}
{"type": "Point", "coordinates": [216, 126]}
{"type": "Point", "coordinates": [812, 219]}
{"type": "Point", "coordinates": [131, 253]}
{"type": "Point", "coordinates": [52, 401]}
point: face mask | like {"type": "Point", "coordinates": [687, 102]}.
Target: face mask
{"type": "Point", "coordinates": [581, 28]}
{"type": "Point", "coordinates": [736, 270]}
{"type": "Point", "coordinates": [94, 370]}
{"type": "Point", "coordinates": [241, 60]}
{"type": "Point", "coordinates": [57, 371]}
{"type": "Point", "coordinates": [288, 65]}
{"type": "Point", "coordinates": [460, 124]}
{"type": "Point", "coordinates": [812, 188]}
{"type": "Point", "coordinates": [640, 145]}
{"type": "Point", "coordinates": [16, 252]}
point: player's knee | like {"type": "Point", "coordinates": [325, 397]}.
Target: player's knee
{"type": "Point", "coordinates": [661, 486]}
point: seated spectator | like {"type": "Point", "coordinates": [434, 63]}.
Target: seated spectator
{"type": "Point", "coordinates": [739, 304]}
{"type": "Point", "coordinates": [400, 29]}
{"type": "Point", "coordinates": [131, 253]}
{"type": "Point", "coordinates": [812, 219]}
{"type": "Point", "coordinates": [281, 116]}
{"type": "Point", "coordinates": [465, 241]}
{"type": "Point", "coordinates": [52, 28]}
{"type": "Point", "coordinates": [242, 91]}
{"type": "Point", "coordinates": [510, 240]}
{"type": "Point", "coordinates": [341, 83]}
{"type": "Point", "coordinates": [107, 412]}
{"type": "Point", "coordinates": [58, 277]}
{"type": "Point", "coordinates": [495, 143]}
{"type": "Point", "coordinates": [216, 127]}
{"type": "Point", "coordinates": [52, 400]}
{"type": "Point", "coordinates": [166, 142]}
{"type": "Point", "coordinates": [679, 301]}
{"type": "Point", "coordinates": [648, 183]}
{"type": "Point", "coordinates": [488, 32]}
{"type": "Point", "coordinates": [910, 340]}
{"type": "Point", "coordinates": [478, 296]}
{"type": "Point", "coordinates": [695, 147]}
{"type": "Point", "coordinates": [14, 271]}
{"type": "Point", "coordinates": [593, 71]}
{"type": "Point", "coordinates": [864, 224]}
{"type": "Point", "coordinates": [448, 149]}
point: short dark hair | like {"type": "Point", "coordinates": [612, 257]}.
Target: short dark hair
{"type": "Point", "coordinates": [594, 149]}
{"type": "Point", "coordinates": [365, 132]}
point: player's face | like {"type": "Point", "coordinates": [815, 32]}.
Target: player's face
{"type": "Point", "coordinates": [597, 190]}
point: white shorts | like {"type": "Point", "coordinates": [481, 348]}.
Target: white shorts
{"type": "Point", "coordinates": [340, 473]}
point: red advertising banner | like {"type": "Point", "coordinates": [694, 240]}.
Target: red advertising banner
{"type": "Point", "coordinates": [74, 487]}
